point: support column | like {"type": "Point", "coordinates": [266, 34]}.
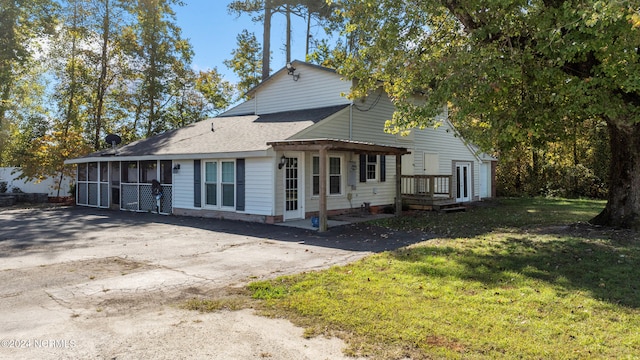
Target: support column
{"type": "Point", "coordinates": [323, 190]}
{"type": "Point", "coordinates": [398, 184]}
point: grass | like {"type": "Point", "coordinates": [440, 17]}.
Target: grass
{"type": "Point", "coordinates": [505, 281]}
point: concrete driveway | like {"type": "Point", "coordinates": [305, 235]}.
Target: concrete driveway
{"type": "Point", "coordinates": [100, 284]}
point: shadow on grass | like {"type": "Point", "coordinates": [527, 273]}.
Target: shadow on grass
{"type": "Point", "coordinates": [606, 269]}
{"type": "Point", "coordinates": [503, 214]}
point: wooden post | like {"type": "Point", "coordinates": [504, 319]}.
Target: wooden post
{"type": "Point", "coordinates": [323, 190]}
{"type": "Point", "coordinates": [398, 184]}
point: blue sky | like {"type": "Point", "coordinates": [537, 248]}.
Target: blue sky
{"type": "Point", "coordinates": [212, 32]}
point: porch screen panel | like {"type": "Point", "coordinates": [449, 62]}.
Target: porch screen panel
{"type": "Point", "coordinates": [129, 197]}
{"type": "Point", "coordinates": [115, 183]}
{"type": "Point", "coordinates": [166, 172]}
{"type": "Point", "coordinates": [103, 188]}
{"type": "Point", "coordinates": [104, 194]}
{"type": "Point", "coordinates": [82, 193]}
{"type": "Point", "coordinates": [166, 205]}
{"type": "Point", "coordinates": [93, 194]}
{"type": "Point", "coordinates": [148, 171]}
{"type": "Point", "coordinates": [92, 188]}
{"type": "Point", "coordinates": [148, 201]}
{"type": "Point", "coordinates": [81, 185]}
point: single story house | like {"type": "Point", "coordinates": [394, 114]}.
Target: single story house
{"type": "Point", "coordinates": [296, 148]}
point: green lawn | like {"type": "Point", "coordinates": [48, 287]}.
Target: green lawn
{"type": "Point", "coordinates": [509, 280]}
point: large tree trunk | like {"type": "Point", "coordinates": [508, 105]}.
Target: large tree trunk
{"type": "Point", "coordinates": [288, 37]}
{"type": "Point", "coordinates": [266, 40]}
{"type": "Point", "coordinates": [102, 80]}
{"type": "Point", "coordinates": [623, 206]}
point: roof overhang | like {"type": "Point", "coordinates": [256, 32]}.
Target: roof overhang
{"type": "Point", "coordinates": [357, 147]}
{"type": "Point", "coordinates": [221, 155]}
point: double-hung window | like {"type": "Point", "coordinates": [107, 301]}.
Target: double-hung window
{"type": "Point", "coordinates": [211, 182]}
{"type": "Point", "coordinates": [228, 183]}
{"type": "Point", "coordinates": [372, 167]}
{"type": "Point", "coordinates": [334, 176]}
{"type": "Point", "coordinates": [220, 183]}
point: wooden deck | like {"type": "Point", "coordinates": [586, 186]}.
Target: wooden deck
{"type": "Point", "coordinates": [429, 192]}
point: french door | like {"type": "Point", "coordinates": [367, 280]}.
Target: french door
{"type": "Point", "coordinates": [293, 189]}
{"type": "Point", "coordinates": [463, 182]}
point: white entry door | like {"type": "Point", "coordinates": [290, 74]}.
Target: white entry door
{"type": "Point", "coordinates": [293, 189]}
{"type": "Point", "coordinates": [463, 182]}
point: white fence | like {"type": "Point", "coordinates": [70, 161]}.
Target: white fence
{"type": "Point", "coordinates": [9, 175]}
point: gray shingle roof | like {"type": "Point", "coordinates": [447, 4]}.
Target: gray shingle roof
{"type": "Point", "coordinates": [230, 134]}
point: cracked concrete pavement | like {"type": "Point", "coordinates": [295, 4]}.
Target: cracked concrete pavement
{"type": "Point", "coordinates": [91, 283]}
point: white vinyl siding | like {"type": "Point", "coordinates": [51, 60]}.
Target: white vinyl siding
{"type": "Point", "coordinates": [375, 193]}
{"type": "Point", "coordinates": [367, 118]}
{"type": "Point", "coordinates": [431, 165]}
{"type": "Point", "coordinates": [315, 88]}
{"type": "Point", "coordinates": [183, 196]}
{"type": "Point", "coordinates": [449, 147]}
{"type": "Point", "coordinates": [259, 186]}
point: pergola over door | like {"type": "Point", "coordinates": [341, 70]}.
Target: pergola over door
{"type": "Point", "coordinates": [323, 146]}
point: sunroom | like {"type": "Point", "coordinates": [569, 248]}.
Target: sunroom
{"type": "Point", "coordinates": [126, 185]}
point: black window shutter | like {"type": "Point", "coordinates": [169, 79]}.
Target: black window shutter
{"type": "Point", "coordinates": [197, 188]}
{"type": "Point", "coordinates": [240, 184]}
{"type": "Point", "coordinates": [363, 168]}
{"type": "Point", "coordinates": [383, 168]}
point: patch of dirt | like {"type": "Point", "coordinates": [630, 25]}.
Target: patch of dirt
{"type": "Point", "coordinates": [94, 284]}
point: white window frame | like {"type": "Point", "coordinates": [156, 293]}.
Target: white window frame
{"type": "Point", "coordinates": [219, 184]}
{"type": "Point", "coordinates": [314, 175]}
{"type": "Point", "coordinates": [212, 182]}
{"type": "Point", "coordinates": [375, 164]}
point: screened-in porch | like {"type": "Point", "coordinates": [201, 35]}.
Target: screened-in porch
{"type": "Point", "coordinates": [126, 185]}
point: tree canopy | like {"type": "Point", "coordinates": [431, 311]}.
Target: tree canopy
{"type": "Point", "coordinates": [73, 71]}
{"type": "Point", "coordinates": [515, 71]}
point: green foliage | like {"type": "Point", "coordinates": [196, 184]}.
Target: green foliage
{"type": "Point", "coordinates": [21, 21]}
{"type": "Point", "coordinates": [246, 61]}
{"type": "Point", "coordinates": [162, 56]}
{"type": "Point", "coordinates": [108, 66]}
{"type": "Point", "coordinates": [539, 291]}
{"type": "Point", "coordinates": [320, 13]}
{"type": "Point", "coordinates": [524, 74]}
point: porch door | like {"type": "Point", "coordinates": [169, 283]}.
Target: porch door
{"type": "Point", "coordinates": [293, 193]}
{"type": "Point", "coordinates": [463, 182]}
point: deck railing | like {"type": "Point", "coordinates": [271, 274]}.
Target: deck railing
{"type": "Point", "coordinates": [426, 185]}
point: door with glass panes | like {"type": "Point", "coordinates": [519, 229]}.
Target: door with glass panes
{"type": "Point", "coordinates": [293, 185]}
